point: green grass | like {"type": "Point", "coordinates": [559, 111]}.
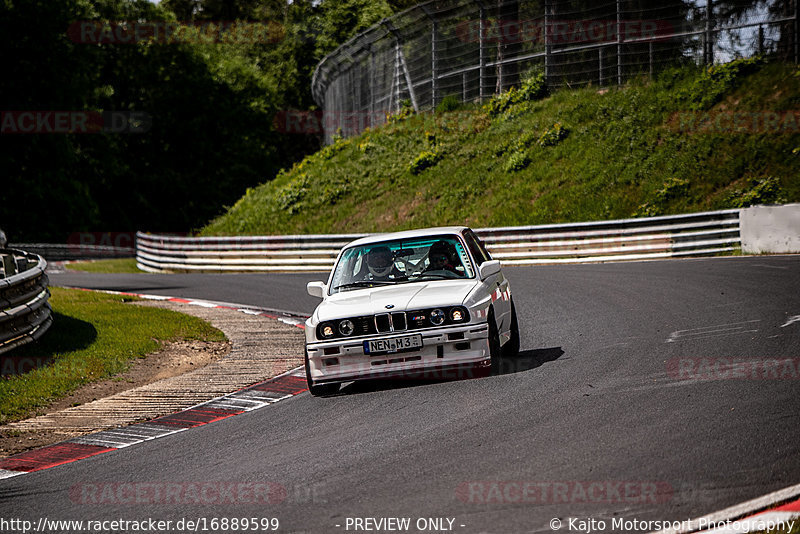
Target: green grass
{"type": "Point", "coordinates": [93, 336]}
{"type": "Point", "coordinates": [116, 265]}
{"type": "Point", "coordinates": [576, 155]}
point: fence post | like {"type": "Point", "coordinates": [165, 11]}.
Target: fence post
{"type": "Point", "coordinates": [396, 77]}
{"type": "Point", "coordinates": [650, 50]}
{"type": "Point", "coordinates": [796, 31]}
{"type": "Point", "coordinates": [760, 40]}
{"type": "Point", "coordinates": [619, 42]}
{"type": "Point", "coordinates": [709, 52]}
{"type": "Point", "coordinates": [548, 22]}
{"type": "Point", "coordinates": [371, 85]}
{"type": "Point", "coordinates": [400, 60]}
{"type": "Point", "coordinates": [600, 67]}
{"type": "Point", "coordinates": [434, 68]}
{"type": "Point", "coordinates": [482, 60]}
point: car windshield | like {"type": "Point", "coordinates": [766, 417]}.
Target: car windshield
{"type": "Point", "coordinates": [402, 261]}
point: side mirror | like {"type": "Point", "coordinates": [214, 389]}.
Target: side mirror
{"type": "Point", "coordinates": [488, 268]}
{"type": "Point", "coordinates": [316, 289]}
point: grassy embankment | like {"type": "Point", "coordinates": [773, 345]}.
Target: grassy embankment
{"type": "Point", "coordinates": [93, 336]}
{"type": "Point", "coordinates": [650, 148]}
{"type": "Point", "coordinates": [115, 265]}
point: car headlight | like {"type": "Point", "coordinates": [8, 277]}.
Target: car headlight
{"type": "Point", "coordinates": [326, 330]}
{"type": "Point", "coordinates": [437, 317]}
{"type": "Point", "coordinates": [458, 315]}
{"type": "Point", "coordinates": [346, 327]}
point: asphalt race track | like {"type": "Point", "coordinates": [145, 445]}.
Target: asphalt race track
{"type": "Point", "coordinates": [616, 383]}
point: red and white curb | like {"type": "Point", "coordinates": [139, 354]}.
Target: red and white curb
{"type": "Point", "coordinates": [251, 398]}
{"type": "Point", "coordinates": [758, 515]}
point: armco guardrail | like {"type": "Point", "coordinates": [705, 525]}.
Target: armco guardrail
{"type": "Point", "coordinates": [62, 252]}
{"type": "Point", "coordinates": [25, 313]}
{"type": "Point", "coordinates": [696, 234]}
{"type": "Point", "coordinates": [158, 253]}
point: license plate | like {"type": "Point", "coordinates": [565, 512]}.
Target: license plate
{"type": "Point", "coordinates": [392, 344]}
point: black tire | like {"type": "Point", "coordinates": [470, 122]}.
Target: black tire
{"type": "Point", "coordinates": [320, 390]}
{"type": "Point", "coordinates": [511, 348]}
{"type": "Point", "coordinates": [495, 351]}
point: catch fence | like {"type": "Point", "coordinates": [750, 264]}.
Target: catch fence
{"type": "Point", "coordinates": [471, 49]}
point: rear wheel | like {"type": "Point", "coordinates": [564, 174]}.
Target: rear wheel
{"type": "Point", "coordinates": [511, 348]}
{"type": "Point", "coordinates": [320, 390]}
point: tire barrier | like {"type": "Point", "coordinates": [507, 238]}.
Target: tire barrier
{"type": "Point", "coordinates": [25, 313]}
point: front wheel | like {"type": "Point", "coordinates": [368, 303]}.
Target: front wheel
{"type": "Point", "coordinates": [511, 348]}
{"type": "Point", "coordinates": [495, 351]}
{"type": "Point", "coordinates": [320, 390]}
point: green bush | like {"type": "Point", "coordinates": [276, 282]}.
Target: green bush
{"type": "Point", "coordinates": [292, 194]}
{"type": "Point", "coordinates": [448, 103]}
{"type": "Point", "coordinates": [553, 135]}
{"type": "Point", "coordinates": [425, 160]}
{"type": "Point", "coordinates": [765, 191]}
{"type": "Point", "coordinates": [532, 88]}
{"type": "Point", "coordinates": [718, 80]}
{"type": "Point", "coordinates": [406, 111]}
{"type": "Point", "coordinates": [517, 161]}
{"type": "Point", "coordinates": [673, 188]}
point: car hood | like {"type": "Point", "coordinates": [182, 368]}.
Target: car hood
{"type": "Point", "coordinates": [411, 296]}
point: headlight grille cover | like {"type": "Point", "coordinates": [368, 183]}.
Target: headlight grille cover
{"type": "Point", "coordinates": [387, 323]}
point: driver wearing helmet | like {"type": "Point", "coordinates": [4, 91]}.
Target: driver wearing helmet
{"type": "Point", "coordinates": [380, 262]}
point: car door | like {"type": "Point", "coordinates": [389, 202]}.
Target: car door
{"type": "Point", "coordinates": [497, 285]}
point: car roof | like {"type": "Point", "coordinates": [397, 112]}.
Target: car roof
{"type": "Point", "coordinates": [407, 234]}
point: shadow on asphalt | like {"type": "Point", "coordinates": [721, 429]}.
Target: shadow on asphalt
{"type": "Point", "coordinates": [524, 361]}
{"type": "Point", "coordinates": [528, 359]}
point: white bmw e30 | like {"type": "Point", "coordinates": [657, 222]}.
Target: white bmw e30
{"type": "Point", "coordinates": [412, 304]}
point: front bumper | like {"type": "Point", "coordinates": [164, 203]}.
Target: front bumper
{"type": "Point", "coordinates": [446, 353]}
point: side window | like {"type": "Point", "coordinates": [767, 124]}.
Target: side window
{"type": "Point", "coordinates": [476, 248]}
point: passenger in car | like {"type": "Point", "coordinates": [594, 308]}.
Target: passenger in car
{"type": "Point", "coordinates": [442, 256]}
